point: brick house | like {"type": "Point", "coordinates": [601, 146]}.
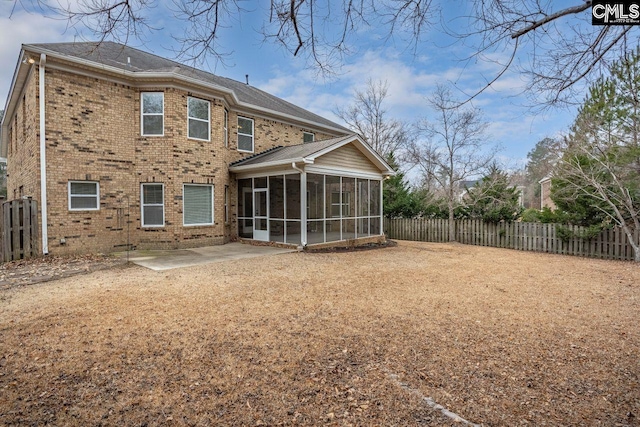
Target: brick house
{"type": "Point", "coordinates": [122, 148]}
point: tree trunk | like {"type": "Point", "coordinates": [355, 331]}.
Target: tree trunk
{"type": "Point", "coordinates": [635, 245]}
{"type": "Point", "coordinates": [452, 224]}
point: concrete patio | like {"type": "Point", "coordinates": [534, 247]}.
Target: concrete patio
{"type": "Point", "coordinates": [159, 260]}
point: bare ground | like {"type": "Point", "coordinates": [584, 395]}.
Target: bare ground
{"type": "Point", "coordinates": [498, 337]}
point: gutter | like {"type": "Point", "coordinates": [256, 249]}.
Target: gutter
{"type": "Point", "coordinates": [43, 156]}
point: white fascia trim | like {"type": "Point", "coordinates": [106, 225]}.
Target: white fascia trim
{"type": "Point", "coordinates": [260, 166]}
{"type": "Point", "coordinates": [141, 75]}
{"type": "Point", "coordinates": [350, 173]}
{"type": "Point", "coordinates": [276, 172]}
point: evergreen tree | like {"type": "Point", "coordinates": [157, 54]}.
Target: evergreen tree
{"type": "Point", "coordinates": [493, 199]}
{"type": "Point", "coordinates": [598, 179]}
{"type": "Point", "coordinates": [399, 199]}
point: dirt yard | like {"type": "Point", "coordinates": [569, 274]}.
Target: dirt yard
{"type": "Point", "coordinates": [498, 337]}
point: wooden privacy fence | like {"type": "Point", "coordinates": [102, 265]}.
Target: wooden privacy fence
{"type": "Point", "coordinates": [526, 236]}
{"type": "Point", "coordinates": [19, 229]}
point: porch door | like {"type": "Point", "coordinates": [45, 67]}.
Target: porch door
{"type": "Point", "coordinates": [260, 214]}
{"type": "Point", "coordinates": [247, 210]}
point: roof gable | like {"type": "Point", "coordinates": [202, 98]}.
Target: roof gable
{"type": "Point", "coordinates": [313, 152]}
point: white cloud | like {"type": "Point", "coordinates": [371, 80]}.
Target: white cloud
{"type": "Point", "coordinates": [510, 124]}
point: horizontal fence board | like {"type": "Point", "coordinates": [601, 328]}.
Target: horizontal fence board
{"type": "Point", "coordinates": [608, 244]}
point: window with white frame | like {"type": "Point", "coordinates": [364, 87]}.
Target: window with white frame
{"type": "Point", "coordinates": [308, 137]}
{"type": "Point", "coordinates": [225, 125]}
{"type": "Point", "coordinates": [84, 196]}
{"type": "Point", "coordinates": [245, 134]}
{"type": "Point", "coordinates": [152, 109]}
{"type": "Point", "coordinates": [197, 204]}
{"type": "Point", "coordinates": [152, 205]}
{"type": "Point", "coordinates": [198, 118]}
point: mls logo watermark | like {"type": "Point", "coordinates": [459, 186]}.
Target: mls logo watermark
{"type": "Point", "coordinates": [615, 12]}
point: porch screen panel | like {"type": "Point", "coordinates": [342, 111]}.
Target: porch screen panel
{"type": "Point", "coordinates": [363, 197]}
{"type": "Point", "coordinates": [293, 232]}
{"type": "Point", "coordinates": [315, 196]}
{"type": "Point", "coordinates": [348, 197]}
{"type": "Point", "coordinates": [293, 196]}
{"type": "Point", "coordinates": [333, 230]}
{"type": "Point", "coordinates": [333, 200]}
{"type": "Point", "coordinates": [375, 207]}
{"type": "Point", "coordinates": [363, 227]}
{"type": "Point", "coordinates": [315, 232]}
{"type": "Point", "coordinates": [374, 197]}
{"type": "Point", "coordinates": [245, 208]}
{"type": "Point", "coordinates": [276, 230]}
{"type": "Point", "coordinates": [276, 196]}
{"type": "Point", "coordinates": [348, 208]}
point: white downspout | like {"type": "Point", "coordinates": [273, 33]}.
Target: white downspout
{"type": "Point", "coordinates": [43, 158]}
{"type": "Point", "coordinates": [303, 204]}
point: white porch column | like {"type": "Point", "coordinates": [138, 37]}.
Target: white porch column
{"type": "Point", "coordinates": [303, 208]}
{"type": "Point", "coordinates": [381, 211]}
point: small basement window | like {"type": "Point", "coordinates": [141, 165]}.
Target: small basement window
{"type": "Point", "coordinates": [84, 196]}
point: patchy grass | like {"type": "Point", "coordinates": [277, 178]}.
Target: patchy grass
{"type": "Point", "coordinates": [498, 337]}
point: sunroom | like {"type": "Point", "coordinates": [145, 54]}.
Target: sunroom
{"type": "Point", "coordinates": [313, 193]}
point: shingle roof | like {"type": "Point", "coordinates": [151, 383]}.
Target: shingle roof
{"type": "Point", "coordinates": [290, 153]}
{"type": "Point", "coordinates": [135, 60]}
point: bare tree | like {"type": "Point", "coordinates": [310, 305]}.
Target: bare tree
{"type": "Point", "coordinates": [561, 45]}
{"type": "Point", "coordinates": [557, 47]}
{"type": "Point", "coordinates": [453, 148]}
{"type": "Point", "coordinates": [368, 117]}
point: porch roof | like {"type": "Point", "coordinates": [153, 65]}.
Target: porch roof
{"type": "Point", "coordinates": [307, 153]}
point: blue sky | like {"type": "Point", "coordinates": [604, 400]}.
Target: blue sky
{"type": "Point", "coordinates": [411, 76]}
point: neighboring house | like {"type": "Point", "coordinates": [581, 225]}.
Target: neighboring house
{"type": "Point", "coordinates": [545, 193]}
{"type": "Point", "coordinates": [122, 148]}
{"type": "Point", "coordinates": [463, 187]}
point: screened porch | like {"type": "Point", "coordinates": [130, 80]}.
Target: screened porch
{"type": "Point", "coordinates": [334, 208]}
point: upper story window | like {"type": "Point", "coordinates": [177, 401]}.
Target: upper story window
{"type": "Point", "coordinates": [245, 134]}
{"type": "Point", "coordinates": [198, 112]}
{"type": "Point", "coordinates": [225, 125]}
{"type": "Point", "coordinates": [308, 137]}
{"type": "Point", "coordinates": [152, 113]}
{"type": "Point", "coordinates": [84, 196]}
